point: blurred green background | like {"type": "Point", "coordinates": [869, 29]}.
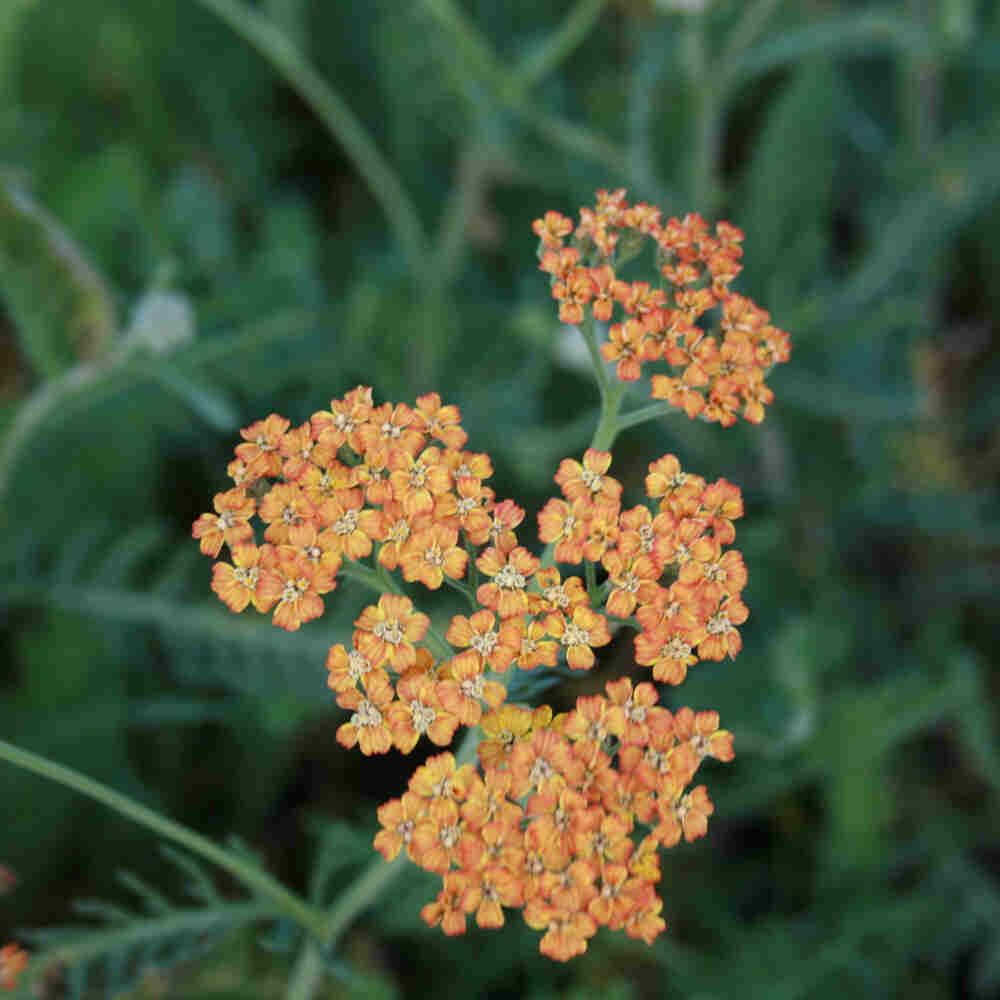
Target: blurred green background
{"type": "Point", "coordinates": [200, 224]}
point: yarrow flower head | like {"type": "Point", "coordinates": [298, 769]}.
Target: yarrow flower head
{"type": "Point", "coordinates": [561, 816]}
{"type": "Point", "coordinates": [717, 346]}
{"type": "Point", "coordinates": [547, 822]}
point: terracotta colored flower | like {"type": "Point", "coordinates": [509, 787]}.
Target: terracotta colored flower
{"type": "Point", "coordinates": [342, 518]}
{"type": "Point", "coordinates": [594, 720]}
{"type": "Point", "coordinates": [487, 802]}
{"type": "Point", "coordinates": [640, 713]}
{"type": "Point", "coordinates": [703, 732]}
{"type": "Point", "coordinates": [566, 931]}
{"type": "Point", "coordinates": [387, 632]}
{"type": "Point", "coordinates": [287, 581]}
{"type": "Point", "coordinates": [578, 633]}
{"type": "Point", "coordinates": [496, 645]}
{"type": "Point", "coordinates": [441, 777]}
{"type": "Point", "coordinates": [448, 909]}
{"type": "Point", "coordinates": [431, 554]}
{"type": "Point", "coordinates": [368, 726]}
{"type": "Point", "coordinates": [436, 836]}
{"type": "Point", "coordinates": [417, 479]}
{"type": "Point", "coordinates": [497, 887]}
{"type": "Point", "coordinates": [441, 422]}
{"type": "Point", "coordinates": [464, 687]}
{"type": "Point", "coordinates": [565, 525]}
{"type": "Point", "coordinates": [537, 649]}
{"type": "Point", "coordinates": [551, 229]}
{"type": "Point", "coordinates": [13, 961]}
{"type": "Point", "coordinates": [392, 426]}
{"type": "Point", "coordinates": [418, 712]}
{"type": "Point", "coordinates": [723, 639]}
{"type": "Point", "coordinates": [398, 818]}
{"type": "Point", "coordinates": [541, 760]}
{"type": "Point", "coordinates": [230, 524]}
{"type": "Point", "coordinates": [510, 573]}
{"type": "Point", "coordinates": [588, 480]}
{"type": "Point", "coordinates": [295, 449]}
{"type": "Point", "coordinates": [343, 422]}
{"type": "Point", "coordinates": [261, 453]}
{"type": "Point", "coordinates": [237, 585]}
{"type": "Point", "coordinates": [349, 668]}
{"type": "Point", "coordinates": [502, 728]}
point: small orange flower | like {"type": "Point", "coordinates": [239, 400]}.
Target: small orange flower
{"type": "Point", "coordinates": [431, 554]}
{"type": "Point", "coordinates": [583, 629]}
{"type": "Point", "coordinates": [230, 523]}
{"type": "Point", "coordinates": [497, 887]}
{"type": "Point", "coordinates": [551, 229]}
{"type": "Point", "coordinates": [448, 909]}
{"type": "Point", "coordinates": [566, 931]}
{"type": "Point", "coordinates": [417, 479]}
{"type": "Point", "coordinates": [288, 578]}
{"type": "Point", "coordinates": [342, 423]}
{"type": "Point", "coordinates": [633, 581]}
{"type": "Point", "coordinates": [564, 525]}
{"type": "Point", "coordinates": [536, 648]}
{"type": "Point", "coordinates": [668, 651]}
{"type": "Point", "coordinates": [510, 573]}
{"type": "Point", "coordinates": [260, 454]}
{"type": "Point", "coordinates": [398, 818]}
{"type": "Point", "coordinates": [441, 422]}
{"type": "Point", "coordinates": [349, 668]}
{"type": "Point", "coordinates": [441, 777]}
{"type": "Point", "coordinates": [296, 448]}
{"type": "Point", "coordinates": [284, 508]}
{"type": "Point", "coordinates": [502, 728]}
{"type": "Point", "coordinates": [723, 639]}
{"type": "Point", "coordinates": [436, 836]}
{"type": "Point", "coordinates": [495, 647]}
{"type": "Point", "coordinates": [237, 585]}
{"type": "Point", "coordinates": [387, 632]}
{"type": "Point", "coordinates": [419, 711]}
{"type": "Point", "coordinates": [368, 726]}
{"type": "Point", "coordinates": [13, 961]}
{"type": "Point", "coordinates": [588, 480]}
{"type": "Point", "coordinates": [541, 760]}
{"type": "Point", "coordinates": [702, 729]}
{"type": "Point", "coordinates": [392, 426]}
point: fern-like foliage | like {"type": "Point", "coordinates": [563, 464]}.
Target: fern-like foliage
{"type": "Point", "coordinates": [108, 958]}
{"type": "Point", "coordinates": [107, 576]}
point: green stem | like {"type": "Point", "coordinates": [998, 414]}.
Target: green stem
{"type": "Point", "coordinates": [466, 592]}
{"type": "Point", "coordinates": [254, 878]}
{"type": "Point", "coordinates": [560, 44]}
{"type": "Point", "coordinates": [590, 574]}
{"type": "Point", "coordinates": [608, 427]}
{"type": "Point", "coordinates": [755, 17]}
{"type": "Point", "coordinates": [385, 186]}
{"type": "Point", "coordinates": [308, 971]}
{"type": "Point", "coordinates": [479, 61]}
{"type": "Point", "coordinates": [588, 330]}
{"type": "Point", "coordinates": [644, 413]}
{"type": "Point", "coordinates": [708, 106]}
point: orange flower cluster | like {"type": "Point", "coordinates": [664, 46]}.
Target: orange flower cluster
{"type": "Point", "coordinates": [13, 961]}
{"type": "Point", "coordinates": [418, 495]}
{"type": "Point", "coordinates": [549, 824]}
{"type": "Point", "coordinates": [718, 368]}
{"type": "Point", "coordinates": [695, 615]}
